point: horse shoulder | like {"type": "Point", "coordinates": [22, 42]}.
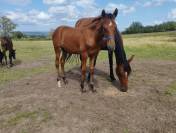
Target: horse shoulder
{"type": "Point", "coordinates": [88, 38]}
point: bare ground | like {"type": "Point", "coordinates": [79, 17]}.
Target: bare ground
{"type": "Point", "coordinates": [36, 105]}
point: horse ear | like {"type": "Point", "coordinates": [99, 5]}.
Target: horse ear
{"type": "Point", "coordinates": [130, 59]}
{"type": "Point", "coordinates": [115, 13]}
{"type": "Point", "coordinates": [103, 13]}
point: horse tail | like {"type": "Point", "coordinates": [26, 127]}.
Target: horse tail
{"type": "Point", "coordinates": [70, 58]}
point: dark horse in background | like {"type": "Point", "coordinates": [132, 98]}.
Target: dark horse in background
{"type": "Point", "coordinates": [7, 45]}
{"type": "Point", "coordinates": [123, 68]}
{"type": "Point", "coordinates": [85, 42]}
{"type": "Point", "coordinates": [1, 56]}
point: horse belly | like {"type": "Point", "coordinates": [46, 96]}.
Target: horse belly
{"type": "Point", "coordinates": [72, 47]}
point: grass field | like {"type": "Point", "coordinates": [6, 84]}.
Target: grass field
{"type": "Point", "coordinates": [160, 46]}
{"type": "Point", "coordinates": [31, 102]}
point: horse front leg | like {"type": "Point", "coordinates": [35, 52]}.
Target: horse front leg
{"type": "Point", "coordinates": [5, 57]}
{"type": "Point", "coordinates": [83, 71]}
{"type": "Point", "coordinates": [95, 60]}
{"type": "Point", "coordinates": [92, 66]}
{"type": "Point", "coordinates": [10, 60]}
{"type": "Point", "coordinates": [110, 56]}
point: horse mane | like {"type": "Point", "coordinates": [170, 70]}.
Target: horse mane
{"type": "Point", "coordinates": [120, 52]}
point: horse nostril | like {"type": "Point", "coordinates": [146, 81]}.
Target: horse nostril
{"type": "Point", "coordinates": [124, 89]}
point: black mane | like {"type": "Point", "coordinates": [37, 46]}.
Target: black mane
{"type": "Point", "coordinates": [119, 49]}
{"type": "Point", "coordinates": [120, 52]}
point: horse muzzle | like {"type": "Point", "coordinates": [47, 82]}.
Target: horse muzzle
{"type": "Point", "coordinates": [110, 42]}
{"type": "Point", "coordinates": [123, 89]}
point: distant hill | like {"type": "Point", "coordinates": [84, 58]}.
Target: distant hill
{"type": "Point", "coordinates": [29, 33]}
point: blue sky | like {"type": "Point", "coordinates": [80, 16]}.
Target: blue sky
{"type": "Point", "coordinates": [44, 15]}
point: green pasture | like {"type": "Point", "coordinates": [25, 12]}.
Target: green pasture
{"type": "Point", "coordinates": [35, 57]}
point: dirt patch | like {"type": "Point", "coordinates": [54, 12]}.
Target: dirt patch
{"type": "Point", "coordinates": [35, 104]}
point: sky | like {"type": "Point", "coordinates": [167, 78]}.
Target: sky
{"type": "Point", "coordinates": [46, 15]}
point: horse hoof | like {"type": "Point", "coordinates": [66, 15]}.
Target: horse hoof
{"type": "Point", "coordinates": [83, 90]}
{"type": "Point", "coordinates": [112, 78]}
{"type": "Point", "coordinates": [59, 84]}
{"type": "Point", "coordinates": [92, 88]}
{"type": "Point", "coordinates": [65, 81]}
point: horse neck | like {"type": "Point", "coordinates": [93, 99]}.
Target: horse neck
{"type": "Point", "coordinates": [95, 32]}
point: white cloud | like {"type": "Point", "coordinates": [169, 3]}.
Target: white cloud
{"type": "Point", "coordinates": [121, 7]}
{"type": "Point", "coordinates": [172, 14]}
{"type": "Point", "coordinates": [54, 1]}
{"type": "Point", "coordinates": [158, 22]}
{"type": "Point", "coordinates": [150, 3]}
{"type": "Point", "coordinates": [18, 2]}
{"type": "Point", "coordinates": [63, 12]}
{"type": "Point", "coordinates": [68, 11]}
{"type": "Point", "coordinates": [74, 10]}
{"type": "Point", "coordinates": [32, 17]}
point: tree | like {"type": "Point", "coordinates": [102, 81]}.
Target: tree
{"type": "Point", "coordinates": [6, 26]}
{"type": "Point", "coordinates": [135, 27]}
{"type": "Point", "coordinates": [17, 35]}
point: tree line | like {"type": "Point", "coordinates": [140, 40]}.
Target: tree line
{"type": "Point", "coordinates": [7, 28]}
{"type": "Point", "coordinates": [137, 27]}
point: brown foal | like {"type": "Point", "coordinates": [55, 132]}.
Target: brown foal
{"type": "Point", "coordinates": [84, 41]}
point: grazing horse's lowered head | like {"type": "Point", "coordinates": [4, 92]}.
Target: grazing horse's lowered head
{"type": "Point", "coordinates": [123, 68]}
{"type": "Point", "coordinates": [123, 72]}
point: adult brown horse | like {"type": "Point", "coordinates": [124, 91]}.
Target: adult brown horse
{"type": "Point", "coordinates": [7, 45]}
{"type": "Point", "coordinates": [123, 68]}
{"type": "Point", "coordinates": [85, 41]}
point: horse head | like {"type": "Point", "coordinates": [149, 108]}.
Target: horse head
{"type": "Point", "coordinates": [123, 71]}
{"type": "Point", "coordinates": [108, 27]}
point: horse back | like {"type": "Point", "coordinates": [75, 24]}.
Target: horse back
{"type": "Point", "coordinates": [6, 43]}
{"type": "Point", "coordinates": [83, 22]}
{"type": "Point", "coordinates": [68, 38]}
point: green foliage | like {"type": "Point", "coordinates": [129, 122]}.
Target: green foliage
{"type": "Point", "coordinates": [137, 27]}
{"type": "Point", "coordinates": [6, 26]}
{"type": "Point", "coordinates": [17, 35]}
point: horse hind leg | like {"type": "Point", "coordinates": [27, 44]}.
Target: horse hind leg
{"type": "Point", "coordinates": [10, 60]}
{"type": "Point", "coordinates": [57, 64]}
{"type": "Point", "coordinates": [63, 58]}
